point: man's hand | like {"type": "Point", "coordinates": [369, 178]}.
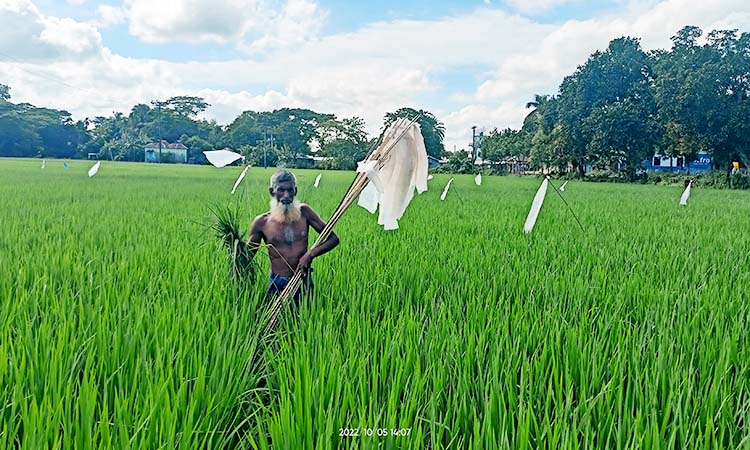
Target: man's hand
{"type": "Point", "coordinates": [304, 262]}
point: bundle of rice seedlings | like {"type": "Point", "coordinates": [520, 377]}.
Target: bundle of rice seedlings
{"type": "Point", "coordinates": [226, 226]}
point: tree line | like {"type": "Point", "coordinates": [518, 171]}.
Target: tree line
{"type": "Point", "coordinates": [281, 137]}
{"type": "Point", "coordinates": [623, 105]}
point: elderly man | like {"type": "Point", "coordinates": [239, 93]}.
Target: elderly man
{"type": "Point", "coordinates": [285, 230]}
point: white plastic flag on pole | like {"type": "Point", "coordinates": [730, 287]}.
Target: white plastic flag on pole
{"type": "Point", "coordinates": [562, 188]}
{"type": "Point", "coordinates": [317, 180]}
{"type": "Point", "coordinates": [94, 169]}
{"type": "Point", "coordinates": [239, 179]}
{"type": "Point", "coordinates": [686, 194]}
{"type": "Point", "coordinates": [221, 158]}
{"type": "Point", "coordinates": [44, 164]}
{"type": "Point", "coordinates": [445, 191]}
{"type": "Point", "coordinates": [429, 177]}
{"type": "Point", "coordinates": [393, 180]}
{"type": "Point", "coordinates": [536, 205]}
{"type": "Point", "coordinates": [478, 179]}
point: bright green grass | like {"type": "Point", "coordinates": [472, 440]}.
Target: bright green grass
{"type": "Point", "coordinates": [119, 327]}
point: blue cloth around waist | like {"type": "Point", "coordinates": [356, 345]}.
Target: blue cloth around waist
{"type": "Point", "coordinates": [279, 282]}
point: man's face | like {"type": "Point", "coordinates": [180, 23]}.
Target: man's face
{"type": "Point", "coordinates": [284, 192]}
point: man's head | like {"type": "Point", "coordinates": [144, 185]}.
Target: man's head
{"type": "Point", "coordinates": [283, 188]}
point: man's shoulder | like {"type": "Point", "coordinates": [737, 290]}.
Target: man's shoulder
{"type": "Point", "coordinates": [261, 219]}
{"type": "Point", "coordinates": [307, 210]}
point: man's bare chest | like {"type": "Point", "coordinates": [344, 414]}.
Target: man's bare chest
{"type": "Point", "coordinates": [286, 234]}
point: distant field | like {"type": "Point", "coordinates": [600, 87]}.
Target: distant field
{"type": "Point", "coordinates": [120, 329]}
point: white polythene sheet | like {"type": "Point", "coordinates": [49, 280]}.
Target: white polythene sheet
{"type": "Point", "coordinates": [403, 172]}
{"type": "Point", "coordinates": [221, 158]}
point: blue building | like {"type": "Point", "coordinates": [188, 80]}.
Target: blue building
{"type": "Point", "coordinates": [660, 163]}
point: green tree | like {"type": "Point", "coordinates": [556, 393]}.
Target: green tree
{"type": "Point", "coordinates": [621, 74]}
{"type": "Point", "coordinates": [499, 145]}
{"type": "Point", "coordinates": [30, 131]}
{"type": "Point", "coordinates": [458, 162]}
{"type": "Point", "coordinates": [186, 106]}
{"type": "Point", "coordinates": [702, 95]}
{"type": "Point", "coordinates": [288, 127]}
{"type": "Point", "coordinates": [345, 141]}
{"type": "Point", "coordinates": [263, 155]}
{"type": "Point", "coordinates": [433, 131]}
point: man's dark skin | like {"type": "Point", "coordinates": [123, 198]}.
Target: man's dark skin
{"type": "Point", "coordinates": [287, 242]}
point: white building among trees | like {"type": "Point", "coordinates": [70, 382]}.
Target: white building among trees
{"type": "Point", "coordinates": [166, 153]}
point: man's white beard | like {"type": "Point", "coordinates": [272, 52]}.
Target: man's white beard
{"type": "Point", "coordinates": [285, 213]}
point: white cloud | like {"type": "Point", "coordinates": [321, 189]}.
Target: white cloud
{"type": "Point", "coordinates": [252, 24]}
{"type": "Point", "coordinates": [368, 72]}
{"type": "Point", "coordinates": [110, 15]}
{"type": "Point", "coordinates": [532, 7]}
{"type": "Point", "coordinates": [298, 22]}
{"type": "Point", "coordinates": [191, 20]}
{"type": "Point", "coordinates": [77, 37]}
{"type": "Point", "coordinates": [26, 34]}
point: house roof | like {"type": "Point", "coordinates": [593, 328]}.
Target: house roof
{"type": "Point", "coordinates": [315, 158]}
{"type": "Point", "coordinates": [165, 144]}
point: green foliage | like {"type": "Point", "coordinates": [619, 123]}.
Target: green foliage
{"type": "Point", "coordinates": [287, 127]}
{"type": "Point", "coordinates": [714, 179]}
{"type": "Point", "coordinates": [186, 105]}
{"type": "Point", "coordinates": [499, 145]}
{"type": "Point", "coordinates": [433, 131]}
{"type": "Point", "coordinates": [459, 162]}
{"type": "Point", "coordinates": [120, 329]}
{"type": "Point", "coordinates": [623, 105]}
{"type": "Point", "coordinates": [343, 141]}
{"type": "Point", "coordinates": [26, 130]}
{"type": "Point", "coordinates": [260, 156]}
{"type": "Point", "coordinates": [225, 223]}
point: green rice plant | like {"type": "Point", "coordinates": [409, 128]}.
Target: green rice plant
{"type": "Point", "coordinates": [119, 327]}
{"type": "Point", "coordinates": [225, 223]}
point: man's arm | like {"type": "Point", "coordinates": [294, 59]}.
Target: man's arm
{"type": "Point", "coordinates": [326, 246]}
{"type": "Point", "coordinates": [256, 235]}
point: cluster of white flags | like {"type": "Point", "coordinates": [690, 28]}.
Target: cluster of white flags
{"type": "Point", "coordinates": [221, 158]}
{"type": "Point", "coordinates": [392, 182]}
{"type": "Point", "coordinates": [317, 180]}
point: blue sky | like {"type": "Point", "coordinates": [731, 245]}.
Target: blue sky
{"type": "Point", "coordinates": [341, 16]}
{"type": "Point", "coordinates": [471, 62]}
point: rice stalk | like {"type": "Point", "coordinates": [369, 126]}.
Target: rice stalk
{"type": "Point", "coordinates": [225, 223]}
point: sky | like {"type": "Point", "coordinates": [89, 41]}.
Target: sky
{"type": "Point", "coordinates": [470, 62]}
